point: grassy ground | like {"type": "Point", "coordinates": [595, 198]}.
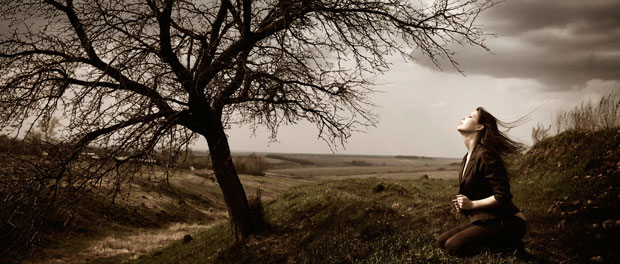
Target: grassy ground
{"type": "Point", "coordinates": [341, 222]}
{"type": "Point", "coordinates": [567, 186]}
{"type": "Point", "coordinates": [386, 212]}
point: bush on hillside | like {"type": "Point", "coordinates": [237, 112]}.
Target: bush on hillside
{"type": "Point", "coordinates": [257, 212]}
{"type": "Point", "coordinates": [251, 164]}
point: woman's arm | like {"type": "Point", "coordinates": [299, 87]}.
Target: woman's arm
{"type": "Point", "coordinates": [494, 173]}
{"type": "Point", "coordinates": [463, 203]}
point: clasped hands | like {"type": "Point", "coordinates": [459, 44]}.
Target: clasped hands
{"type": "Point", "coordinates": [462, 203]}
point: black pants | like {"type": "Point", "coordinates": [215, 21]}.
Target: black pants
{"type": "Point", "coordinates": [468, 239]}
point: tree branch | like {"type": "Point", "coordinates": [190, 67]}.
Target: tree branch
{"type": "Point", "coordinates": [245, 43]}
{"type": "Point", "coordinates": [208, 51]}
{"type": "Point", "coordinates": [166, 52]}
{"type": "Point", "coordinates": [235, 83]}
{"type": "Point", "coordinates": [247, 18]}
{"type": "Point", "coordinates": [96, 62]}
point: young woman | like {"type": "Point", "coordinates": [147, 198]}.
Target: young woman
{"type": "Point", "coordinates": [484, 193]}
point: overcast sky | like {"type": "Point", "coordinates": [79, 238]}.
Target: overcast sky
{"type": "Point", "coordinates": [547, 55]}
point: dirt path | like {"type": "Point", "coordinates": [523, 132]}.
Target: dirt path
{"type": "Point", "coordinates": [132, 246]}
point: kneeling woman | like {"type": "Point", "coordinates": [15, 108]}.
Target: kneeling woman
{"type": "Point", "coordinates": [484, 194]}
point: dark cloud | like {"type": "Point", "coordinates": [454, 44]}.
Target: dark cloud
{"type": "Point", "coordinates": [561, 44]}
{"type": "Point", "coordinates": [514, 17]}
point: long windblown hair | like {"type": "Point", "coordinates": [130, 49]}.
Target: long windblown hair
{"type": "Point", "coordinates": [494, 140]}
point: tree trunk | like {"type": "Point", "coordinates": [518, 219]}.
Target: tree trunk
{"type": "Point", "coordinates": [228, 180]}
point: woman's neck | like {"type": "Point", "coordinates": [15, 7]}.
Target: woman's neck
{"type": "Point", "coordinates": [470, 140]}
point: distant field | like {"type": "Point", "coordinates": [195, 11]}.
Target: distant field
{"type": "Point", "coordinates": [336, 160]}
{"type": "Point", "coordinates": [348, 166]}
{"type": "Point", "coordinates": [285, 173]}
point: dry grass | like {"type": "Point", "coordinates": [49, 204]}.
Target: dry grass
{"type": "Point", "coordinates": [590, 116]}
{"type": "Point", "coordinates": [132, 246]}
{"type": "Point", "coordinates": [135, 245]}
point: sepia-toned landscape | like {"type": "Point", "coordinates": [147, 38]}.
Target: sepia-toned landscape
{"type": "Point", "coordinates": [313, 131]}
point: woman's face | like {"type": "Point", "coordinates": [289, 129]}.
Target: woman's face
{"type": "Point", "coordinates": [469, 123]}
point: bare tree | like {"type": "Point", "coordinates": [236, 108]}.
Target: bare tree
{"type": "Point", "coordinates": [133, 75]}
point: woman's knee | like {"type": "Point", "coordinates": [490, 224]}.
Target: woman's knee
{"type": "Point", "coordinates": [441, 240]}
{"type": "Point", "coordinates": [457, 247]}
{"type": "Point", "coordinates": [452, 245]}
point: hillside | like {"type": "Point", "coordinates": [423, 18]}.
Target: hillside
{"type": "Point", "coordinates": [571, 185]}
{"type": "Point", "coordinates": [567, 186]}
{"type": "Point", "coordinates": [146, 215]}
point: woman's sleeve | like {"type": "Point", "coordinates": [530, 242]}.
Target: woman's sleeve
{"type": "Point", "coordinates": [495, 174]}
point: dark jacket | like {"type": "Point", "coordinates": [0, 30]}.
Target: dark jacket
{"type": "Point", "coordinates": [485, 176]}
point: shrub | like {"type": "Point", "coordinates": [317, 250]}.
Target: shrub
{"type": "Point", "coordinates": [257, 212]}
{"type": "Point", "coordinates": [252, 164]}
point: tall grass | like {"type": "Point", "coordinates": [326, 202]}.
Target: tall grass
{"type": "Point", "coordinates": [589, 116]}
{"type": "Point", "coordinates": [540, 133]}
